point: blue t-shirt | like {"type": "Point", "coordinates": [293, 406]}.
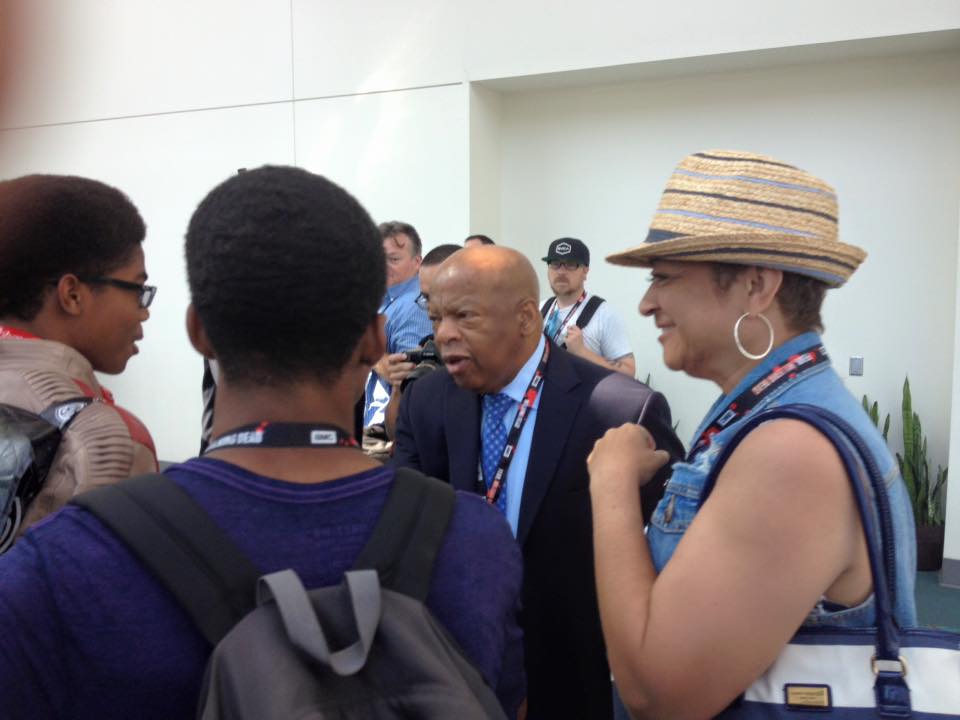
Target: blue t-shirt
{"type": "Point", "coordinates": [86, 632]}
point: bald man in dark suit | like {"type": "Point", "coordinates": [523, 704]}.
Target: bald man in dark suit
{"type": "Point", "coordinates": [487, 325]}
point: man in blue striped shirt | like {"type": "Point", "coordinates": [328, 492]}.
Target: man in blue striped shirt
{"type": "Point", "coordinates": [407, 323]}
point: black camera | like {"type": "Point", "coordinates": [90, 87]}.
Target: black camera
{"type": "Point", "coordinates": [427, 359]}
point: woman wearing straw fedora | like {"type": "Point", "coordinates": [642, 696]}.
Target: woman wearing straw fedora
{"type": "Point", "coordinates": [742, 250]}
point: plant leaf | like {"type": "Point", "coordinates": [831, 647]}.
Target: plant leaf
{"type": "Point", "coordinates": [907, 416]}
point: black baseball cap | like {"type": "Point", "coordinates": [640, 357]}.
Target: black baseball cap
{"type": "Point", "coordinates": [568, 249]}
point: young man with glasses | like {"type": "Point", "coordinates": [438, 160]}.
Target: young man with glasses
{"type": "Point", "coordinates": [579, 321]}
{"type": "Point", "coordinates": [73, 300]}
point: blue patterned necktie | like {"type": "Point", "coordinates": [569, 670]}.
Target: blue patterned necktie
{"type": "Point", "coordinates": [493, 436]}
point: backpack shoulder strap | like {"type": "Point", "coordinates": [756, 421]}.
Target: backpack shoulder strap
{"type": "Point", "coordinates": [406, 539]}
{"type": "Point", "coordinates": [178, 542]}
{"type": "Point", "coordinates": [545, 308]}
{"type": "Point", "coordinates": [586, 315]}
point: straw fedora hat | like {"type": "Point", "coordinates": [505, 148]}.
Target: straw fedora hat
{"type": "Point", "coordinates": [738, 207]}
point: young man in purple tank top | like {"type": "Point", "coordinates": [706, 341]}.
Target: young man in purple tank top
{"type": "Point", "coordinates": [286, 272]}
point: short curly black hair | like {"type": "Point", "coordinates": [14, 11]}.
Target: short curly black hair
{"type": "Point", "coordinates": [52, 225]}
{"type": "Point", "coordinates": [439, 254]}
{"type": "Point", "coordinates": [286, 271]}
{"type": "Point", "coordinates": [484, 240]}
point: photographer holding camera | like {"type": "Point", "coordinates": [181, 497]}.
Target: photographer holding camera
{"type": "Point", "coordinates": [404, 367]}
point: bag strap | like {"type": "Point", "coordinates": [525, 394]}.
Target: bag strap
{"type": "Point", "coordinates": [406, 539]}
{"type": "Point", "coordinates": [545, 308]}
{"type": "Point", "coordinates": [586, 315]}
{"type": "Point", "coordinates": [178, 542]}
{"type": "Point", "coordinates": [303, 627]}
{"type": "Point", "coordinates": [865, 480]}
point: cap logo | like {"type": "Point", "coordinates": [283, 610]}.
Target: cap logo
{"type": "Point", "coordinates": [563, 249]}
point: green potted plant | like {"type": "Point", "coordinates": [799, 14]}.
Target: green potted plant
{"type": "Point", "coordinates": [926, 490]}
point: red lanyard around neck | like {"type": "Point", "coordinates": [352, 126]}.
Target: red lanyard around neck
{"type": "Point", "coordinates": [11, 332]}
{"type": "Point", "coordinates": [513, 438]}
{"type": "Point", "coordinates": [566, 319]}
{"type": "Point", "coordinates": [751, 396]}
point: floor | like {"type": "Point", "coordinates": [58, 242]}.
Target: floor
{"type": "Point", "coordinates": [937, 606]}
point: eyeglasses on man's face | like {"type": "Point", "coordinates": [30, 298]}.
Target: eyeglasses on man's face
{"type": "Point", "coordinates": [563, 265]}
{"type": "Point", "coordinates": [145, 293]}
{"type": "Point", "coordinates": [422, 301]}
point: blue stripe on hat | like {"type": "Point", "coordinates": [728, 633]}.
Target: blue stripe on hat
{"type": "Point", "coordinates": [655, 236]}
{"type": "Point", "coordinates": [735, 221]}
{"type": "Point", "coordinates": [763, 203]}
{"type": "Point", "coordinates": [758, 181]}
{"type": "Point", "coordinates": [763, 251]}
{"type": "Point", "coordinates": [829, 278]}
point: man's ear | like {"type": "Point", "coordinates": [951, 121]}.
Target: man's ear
{"type": "Point", "coordinates": [71, 295]}
{"type": "Point", "coordinates": [198, 334]}
{"type": "Point", "coordinates": [373, 342]}
{"type": "Point", "coordinates": [530, 320]}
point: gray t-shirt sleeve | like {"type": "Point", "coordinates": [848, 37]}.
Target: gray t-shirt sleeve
{"type": "Point", "coordinates": [606, 335]}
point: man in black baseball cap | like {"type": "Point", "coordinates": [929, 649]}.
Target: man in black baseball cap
{"type": "Point", "coordinates": [568, 250]}
{"type": "Point", "coordinates": [584, 324]}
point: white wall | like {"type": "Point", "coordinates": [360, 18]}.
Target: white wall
{"type": "Point", "coordinates": [951, 541]}
{"type": "Point", "coordinates": [375, 45]}
{"type": "Point", "coordinates": [486, 120]}
{"type": "Point", "coordinates": [592, 162]}
{"type": "Point", "coordinates": [95, 59]}
{"type": "Point", "coordinates": [505, 38]}
{"type": "Point", "coordinates": [370, 45]}
{"type": "Point", "coordinates": [403, 154]}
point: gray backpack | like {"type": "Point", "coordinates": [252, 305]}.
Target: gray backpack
{"type": "Point", "coordinates": [367, 648]}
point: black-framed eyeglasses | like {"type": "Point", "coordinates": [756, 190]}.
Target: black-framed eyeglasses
{"type": "Point", "coordinates": [564, 265]}
{"type": "Point", "coordinates": [422, 301]}
{"type": "Point", "coordinates": [146, 293]}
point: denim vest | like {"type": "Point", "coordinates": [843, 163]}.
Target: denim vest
{"type": "Point", "coordinates": [819, 385]}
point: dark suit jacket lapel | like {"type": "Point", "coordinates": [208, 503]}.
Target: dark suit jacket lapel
{"type": "Point", "coordinates": [558, 408]}
{"type": "Point", "coordinates": [462, 428]}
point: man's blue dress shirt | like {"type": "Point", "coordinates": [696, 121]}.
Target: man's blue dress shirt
{"type": "Point", "coordinates": [407, 324]}
{"type": "Point", "coordinates": [518, 467]}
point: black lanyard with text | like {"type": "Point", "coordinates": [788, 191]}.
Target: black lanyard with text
{"type": "Point", "coordinates": [748, 399]}
{"type": "Point", "coordinates": [513, 437]}
{"type": "Point", "coordinates": [563, 324]}
{"type": "Point", "coordinates": [283, 435]}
